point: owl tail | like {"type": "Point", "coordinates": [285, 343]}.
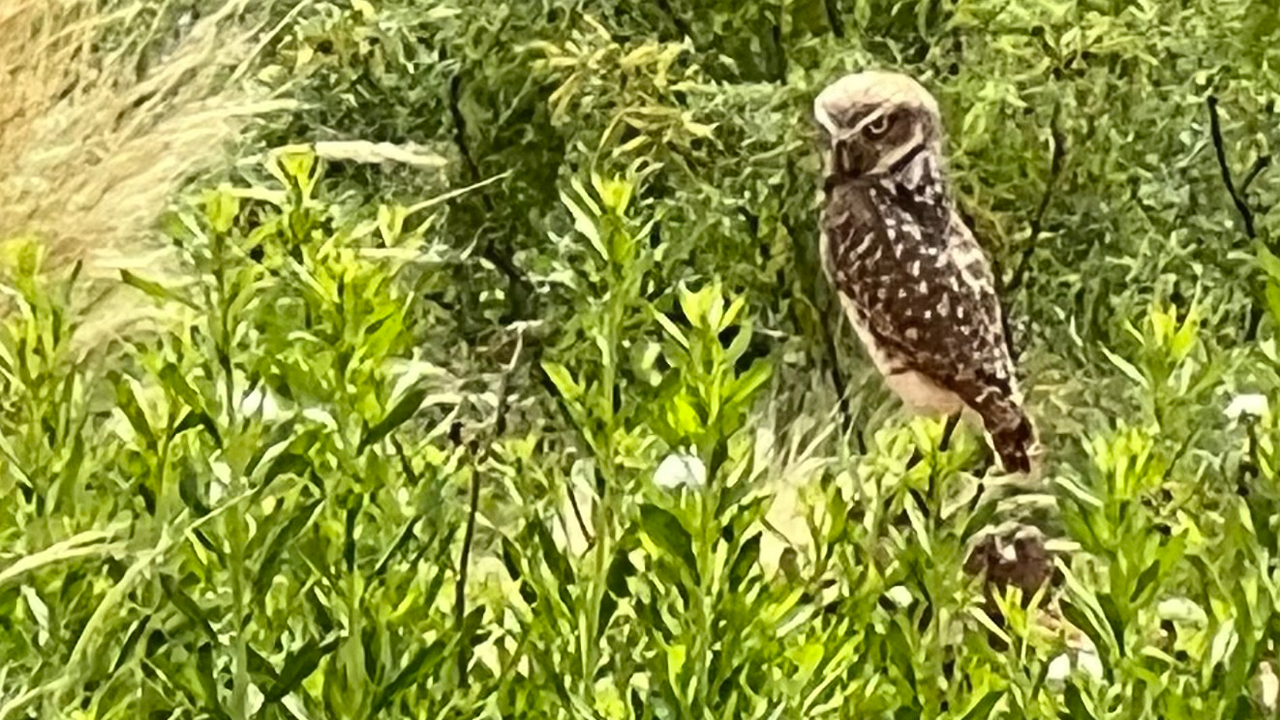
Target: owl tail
{"type": "Point", "coordinates": [1012, 435]}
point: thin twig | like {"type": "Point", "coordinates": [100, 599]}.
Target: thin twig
{"type": "Point", "coordinates": [1037, 221]}
{"type": "Point", "coordinates": [460, 592]}
{"type": "Point", "coordinates": [498, 428]}
{"type": "Point", "coordinates": [1238, 196]}
{"type": "Point", "coordinates": [577, 515]}
{"type": "Point", "coordinates": [1258, 166]}
{"type": "Point", "coordinates": [1219, 147]}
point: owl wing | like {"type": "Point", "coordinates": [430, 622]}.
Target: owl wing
{"type": "Point", "coordinates": [974, 268]}
{"type": "Point", "coordinates": [926, 295]}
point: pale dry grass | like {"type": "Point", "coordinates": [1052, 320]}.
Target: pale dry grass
{"type": "Point", "coordinates": [92, 150]}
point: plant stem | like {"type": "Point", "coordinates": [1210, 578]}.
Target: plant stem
{"type": "Point", "coordinates": [235, 521]}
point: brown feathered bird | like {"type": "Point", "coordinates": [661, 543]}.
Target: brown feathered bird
{"type": "Point", "coordinates": [913, 281]}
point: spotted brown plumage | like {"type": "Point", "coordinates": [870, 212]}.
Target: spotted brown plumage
{"type": "Point", "coordinates": [914, 283]}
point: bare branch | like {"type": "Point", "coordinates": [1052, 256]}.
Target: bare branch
{"type": "Point", "coordinates": [1037, 221]}
{"type": "Point", "coordinates": [1258, 166]}
{"type": "Point", "coordinates": [1219, 147]}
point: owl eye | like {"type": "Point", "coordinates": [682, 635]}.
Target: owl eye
{"type": "Point", "coordinates": [877, 127]}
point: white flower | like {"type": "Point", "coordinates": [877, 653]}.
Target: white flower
{"type": "Point", "coordinates": [900, 595]}
{"type": "Point", "coordinates": [1251, 404]}
{"type": "Point", "coordinates": [1266, 687]}
{"type": "Point", "coordinates": [1059, 669]}
{"type": "Point", "coordinates": [1086, 663]}
{"type": "Point", "coordinates": [679, 469]}
{"type": "Point", "coordinates": [1090, 664]}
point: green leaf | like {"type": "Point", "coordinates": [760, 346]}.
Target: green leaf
{"type": "Point", "coordinates": [1126, 367]}
{"type": "Point", "coordinates": [267, 566]}
{"type": "Point", "coordinates": [1076, 709]}
{"type": "Point", "coordinates": [1085, 623]}
{"type": "Point", "coordinates": [750, 381]}
{"type": "Point", "coordinates": [620, 570]}
{"type": "Point", "coordinates": [1269, 263]}
{"type": "Point", "coordinates": [127, 401]}
{"type": "Point", "coordinates": [154, 289]}
{"type": "Point", "coordinates": [585, 225]}
{"type": "Point", "coordinates": [299, 667]}
{"type": "Point", "coordinates": [424, 663]}
{"type": "Point", "coordinates": [1147, 577]}
{"type": "Point", "coordinates": [189, 492]}
{"type": "Point", "coordinates": [748, 554]}
{"type": "Point", "coordinates": [285, 464]}
{"type": "Point", "coordinates": [70, 471]}
{"type": "Point", "coordinates": [696, 304]}
{"type": "Point", "coordinates": [978, 520]}
{"type": "Point", "coordinates": [1114, 619]}
{"type": "Point", "coordinates": [557, 563]}
{"type": "Point", "coordinates": [982, 709]}
{"type": "Point", "coordinates": [560, 377]}
{"type": "Point", "coordinates": [1273, 300]}
{"type": "Point", "coordinates": [188, 607]}
{"type": "Point", "coordinates": [194, 419]}
{"type": "Point", "coordinates": [399, 415]}
{"type": "Point", "coordinates": [221, 207]}
{"type": "Point", "coordinates": [672, 329]}
{"type": "Point", "coordinates": [174, 382]}
{"type": "Point", "coordinates": [665, 530]}
{"type": "Point", "coordinates": [402, 539]}
{"type": "Point", "coordinates": [130, 642]}
{"type": "Point", "coordinates": [915, 515]}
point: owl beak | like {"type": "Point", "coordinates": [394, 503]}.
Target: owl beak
{"type": "Point", "coordinates": [852, 157]}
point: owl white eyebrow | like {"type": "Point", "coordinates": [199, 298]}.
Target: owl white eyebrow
{"type": "Point", "coordinates": [870, 118]}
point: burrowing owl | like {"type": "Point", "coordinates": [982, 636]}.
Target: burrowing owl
{"type": "Point", "coordinates": [914, 283]}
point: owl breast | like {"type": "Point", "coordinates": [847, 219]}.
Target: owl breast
{"type": "Point", "coordinates": [915, 389]}
{"type": "Point", "coordinates": [885, 248]}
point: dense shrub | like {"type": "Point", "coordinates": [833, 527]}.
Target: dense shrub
{"type": "Point", "coordinates": [497, 378]}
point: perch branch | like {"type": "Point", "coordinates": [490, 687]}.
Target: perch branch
{"type": "Point", "coordinates": [460, 590]}
{"type": "Point", "coordinates": [1237, 196]}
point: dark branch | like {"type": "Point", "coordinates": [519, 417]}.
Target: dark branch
{"type": "Point", "coordinates": [1037, 221]}
{"type": "Point", "coordinates": [460, 591]}
{"type": "Point", "coordinates": [834, 19]}
{"type": "Point", "coordinates": [680, 24]}
{"type": "Point", "coordinates": [1215, 129]}
{"type": "Point", "coordinates": [460, 127]}
{"type": "Point", "coordinates": [519, 288]}
{"type": "Point", "coordinates": [1258, 166]}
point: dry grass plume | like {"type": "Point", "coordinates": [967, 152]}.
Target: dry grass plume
{"type": "Point", "coordinates": [97, 137]}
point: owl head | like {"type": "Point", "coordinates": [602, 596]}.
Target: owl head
{"type": "Point", "coordinates": [876, 122]}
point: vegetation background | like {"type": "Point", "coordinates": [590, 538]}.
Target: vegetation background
{"type": "Point", "coordinates": [469, 358]}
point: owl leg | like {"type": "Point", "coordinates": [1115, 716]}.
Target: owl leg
{"type": "Point", "coordinates": [947, 430]}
